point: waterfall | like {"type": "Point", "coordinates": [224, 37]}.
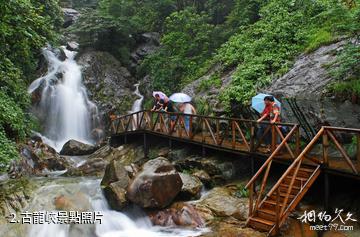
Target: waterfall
{"type": "Point", "coordinates": [63, 107]}
{"type": "Point", "coordinates": [136, 106]}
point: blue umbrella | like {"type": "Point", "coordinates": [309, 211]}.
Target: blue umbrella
{"type": "Point", "coordinates": [257, 102]}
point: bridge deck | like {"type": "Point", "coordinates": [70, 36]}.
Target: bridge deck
{"type": "Point", "coordinates": [239, 135]}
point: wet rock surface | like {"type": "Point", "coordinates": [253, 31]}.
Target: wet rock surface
{"type": "Point", "coordinates": [109, 83]}
{"type": "Point", "coordinates": [76, 148]}
{"type": "Point", "coordinates": [35, 158]}
{"type": "Point", "coordinates": [307, 84]}
{"type": "Point", "coordinates": [191, 187]}
{"type": "Point", "coordinates": [156, 185]}
{"type": "Point", "coordinates": [221, 202]}
{"type": "Point", "coordinates": [179, 214]}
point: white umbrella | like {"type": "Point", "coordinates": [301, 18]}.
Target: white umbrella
{"type": "Point", "coordinates": [180, 98]}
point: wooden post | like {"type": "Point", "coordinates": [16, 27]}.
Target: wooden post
{"type": "Point", "coordinates": [358, 148]}
{"type": "Point", "coordinates": [233, 134]}
{"type": "Point", "coordinates": [325, 140]}
{"type": "Point", "coordinates": [277, 217]}
{"type": "Point", "coordinates": [326, 191]}
{"type": "Point", "coordinates": [252, 165]}
{"type": "Point", "coordinates": [190, 126]}
{"type": "Point", "coordinates": [170, 143]}
{"type": "Point", "coordinates": [203, 151]}
{"type": "Point", "coordinates": [252, 137]}
{"type": "Point", "coordinates": [125, 139]}
{"type": "Point", "coordinates": [297, 145]}
{"type": "Point", "coordinates": [146, 150]}
{"type": "Point", "coordinates": [217, 131]}
{"type": "Point", "coordinates": [273, 138]}
{"type": "Point", "coordinates": [251, 192]}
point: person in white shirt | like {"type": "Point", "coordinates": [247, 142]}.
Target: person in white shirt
{"type": "Point", "coordinates": [187, 108]}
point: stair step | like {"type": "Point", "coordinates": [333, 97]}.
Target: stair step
{"type": "Point", "coordinates": [284, 188]}
{"type": "Point", "coordinates": [299, 181]}
{"type": "Point", "coordinates": [267, 214]}
{"type": "Point", "coordinates": [282, 195]}
{"type": "Point", "coordinates": [260, 223]}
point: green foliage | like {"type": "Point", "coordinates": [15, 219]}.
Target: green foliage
{"type": "Point", "coordinates": [241, 192]}
{"type": "Point", "coordinates": [186, 45]}
{"type": "Point", "coordinates": [8, 151]}
{"type": "Point", "coordinates": [25, 27]}
{"type": "Point", "coordinates": [213, 81]}
{"type": "Point", "coordinates": [203, 107]}
{"type": "Point", "coordinates": [346, 70]}
{"type": "Point", "coordinates": [266, 49]}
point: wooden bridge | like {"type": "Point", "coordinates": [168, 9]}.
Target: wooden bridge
{"type": "Point", "coordinates": [335, 150]}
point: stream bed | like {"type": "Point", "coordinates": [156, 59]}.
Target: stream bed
{"type": "Point", "coordinates": [84, 195]}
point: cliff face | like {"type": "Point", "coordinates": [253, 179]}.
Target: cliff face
{"type": "Point", "coordinates": [303, 91]}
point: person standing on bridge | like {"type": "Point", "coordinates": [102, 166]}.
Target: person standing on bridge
{"type": "Point", "coordinates": [270, 113]}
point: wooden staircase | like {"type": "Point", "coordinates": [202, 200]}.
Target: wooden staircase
{"type": "Point", "coordinates": [268, 210]}
{"type": "Point", "coordinates": [273, 210]}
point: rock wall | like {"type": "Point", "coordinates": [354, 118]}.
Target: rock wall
{"type": "Point", "coordinates": [306, 84]}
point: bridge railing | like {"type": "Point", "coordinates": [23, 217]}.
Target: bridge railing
{"type": "Point", "coordinates": [232, 133]}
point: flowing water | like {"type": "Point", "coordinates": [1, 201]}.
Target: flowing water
{"type": "Point", "coordinates": [64, 108]}
{"type": "Point", "coordinates": [66, 113]}
{"type": "Point", "coordinates": [84, 194]}
{"type": "Point", "coordinates": [137, 105]}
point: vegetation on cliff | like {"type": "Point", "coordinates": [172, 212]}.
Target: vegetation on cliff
{"type": "Point", "coordinates": [258, 38]}
{"type": "Point", "coordinates": [25, 27]}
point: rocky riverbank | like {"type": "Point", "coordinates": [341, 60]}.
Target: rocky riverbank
{"type": "Point", "coordinates": [174, 188]}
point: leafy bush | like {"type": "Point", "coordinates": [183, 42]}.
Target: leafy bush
{"type": "Point", "coordinates": [25, 27]}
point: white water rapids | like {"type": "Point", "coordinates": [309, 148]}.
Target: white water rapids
{"type": "Point", "coordinates": [65, 112]}
{"type": "Point", "coordinates": [85, 194]}
{"type": "Point", "coordinates": [64, 109]}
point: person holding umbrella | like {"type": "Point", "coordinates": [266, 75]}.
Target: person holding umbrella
{"type": "Point", "coordinates": [185, 107]}
{"type": "Point", "coordinates": [161, 101]}
{"type": "Point", "coordinates": [269, 108]}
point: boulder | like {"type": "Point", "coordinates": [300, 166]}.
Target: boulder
{"type": "Point", "coordinates": [115, 172]}
{"type": "Point", "coordinates": [191, 186]}
{"type": "Point", "coordinates": [223, 203]}
{"type": "Point", "coordinates": [156, 185]}
{"type": "Point", "coordinates": [91, 167]}
{"type": "Point", "coordinates": [114, 184]}
{"type": "Point", "coordinates": [203, 176]}
{"type": "Point", "coordinates": [179, 214]}
{"type": "Point", "coordinates": [72, 46]}
{"type": "Point", "coordinates": [126, 154]}
{"type": "Point", "coordinates": [70, 16]}
{"type": "Point", "coordinates": [115, 194]}
{"type": "Point", "coordinates": [76, 148]}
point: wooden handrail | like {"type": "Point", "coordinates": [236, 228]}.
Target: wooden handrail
{"type": "Point", "coordinates": [271, 156]}
{"type": "Point", "coordinates": [299, 158]}
{"type": "Point", "coordinates": [204, 116]}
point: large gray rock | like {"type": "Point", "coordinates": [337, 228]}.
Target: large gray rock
{"type": "Point", "coordinates": [156, 185]}
{"type": "Point", "coordinates": [191, 186]}
{"type": "Point", "coordinates": [209, 96]}
{"type": "Point", "coordinates": [76, 148]}
{"type": "Point", "coordinates": [223, 203]}
{"type": "Point", "coordinates": [70, 16]}
{"type": "Point", "coordinates": [116, 195]}
{"type": "Point", "coordinates": [115, 172]}
{"type": "Point", "coordinates": [114, 184]}
{"type": "Point", "coordinates": [306, 83]}
{"type": "Point", "coordinates": [109, 83]}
